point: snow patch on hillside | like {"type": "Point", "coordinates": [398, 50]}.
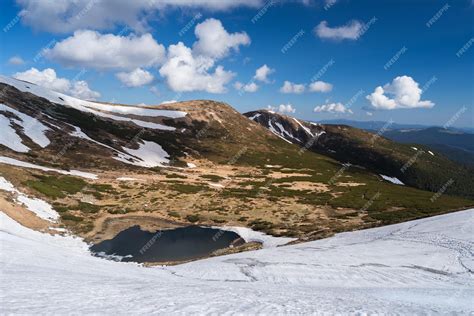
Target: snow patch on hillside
{"type": "Point", "coordinates": [255, 116]}
{"type": "Point", "coordinates": [250, 235]}
{"type": "Point", "coordinates": [32, 127]}
{"type": "Point", "coordinates": [8, 136]}
{"type": "Point", "coordinates": [284, 132]}
{"type": "Point", "coordinates": [19, 163]}
{"type": "Point", "coordinates": [277, 133]}
{"type": "Point", "coordinates": [149, 154]}
{"type": "Point", "coordinates": [135, 110]}
{"type": "Point", "coordinates": [41, 208]}
{"type": "Point", "coordinates": [80, 134]}
{"type": "Point", "coordinates": [304, 127]}
{"type": "Point", "coordinates": [392, 179]}
{"type": "Point", "coordinates": [84, 106]}
{"type": "Point", "coordinates": [318, 134]}
{"type": "Point", "coordinates": [6, 185]}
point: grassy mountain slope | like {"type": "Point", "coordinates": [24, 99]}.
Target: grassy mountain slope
{"type": "Point", "coordinates": [414, 166]}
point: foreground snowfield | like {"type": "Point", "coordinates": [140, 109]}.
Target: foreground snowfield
{"type": "Point", "coordinates": [423, 266]}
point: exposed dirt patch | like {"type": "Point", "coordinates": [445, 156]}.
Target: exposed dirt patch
{"type": "Point", "coordinates": [280, 175]}
{"type": "Point", "coordinates": [306, 185]}
{"type": "Point", "coordinates": [349, 184]}
{"type": "Point", "coordinates": [23, 216]}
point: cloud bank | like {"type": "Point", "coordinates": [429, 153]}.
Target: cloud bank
{"type": "Point", "coordinates": [68, 16]}
{"type": "Point", "coordinates": [91, 49]}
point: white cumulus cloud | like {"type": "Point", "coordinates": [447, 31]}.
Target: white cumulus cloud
{"type": "Point", "coordinates": [320, 86]}
{"type": "Point", "coordinates": [262, 73]}
{"type": "Point", "coordinates": [135, 78]}
{"type": "Point", "coordinates": [195, 69]}
{"type": "Point", "coordinates": [333, 108]}
{"type": "Point", "coordinates": [290, 87]}
{"type": "Point", "coordinates": [80, 89]}
{"type": "Point", "coordinates": [282, 108]}
{"type": "Point", "coordinates": [286, 108]}
{"type": "Point", "coordinates": [249, 87]}
{"type": "Point", "coordinates": [350, 31]}
{"type": "Point", "coordinates": [91, 49]}
{"type": "Point", "coordinates": [402, 93]}
{"type": "Point", "coordinates": [185, 72]}
{"type": "Point", "coordinates": [48, 79]}
{"type": "Point", "coordinates": [214, 41]}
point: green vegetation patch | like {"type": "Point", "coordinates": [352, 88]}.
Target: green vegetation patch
{"type": "Point", "coordinates": [60, 208]}
{"type": "Point", "coordinates": [70, 217]}
{"type": "Point", "coordinates": [56, 187]}
{"type": "Point", "coordinates": [187, 188]}
{"type": "Point", "coordinates": [212, 177]}
{"type": "Point", "coordinates": [192, 218]}
{"type": "Point", "coordinates": [175, 176]}
{"type": "Point", "coordinates": [86, 207]}
{"type": "Point", "coordinates": [174, 214]}
{"type": "Point", "coordinates": [261, 225]}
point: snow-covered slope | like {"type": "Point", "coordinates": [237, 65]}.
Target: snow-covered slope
{"type": "Point", "coordinates": [41, 208]}
{"type": "Point", "coordinates": [31, 126]}
{"type": "Point", "coordinates": [31, 121]}
{"type": "Point", "coordinates": [149, 154]}
{"type": "Point", "coordinates": [19, 163]}
{"type": "Point", "coordinates": [96, 108]}
{"type": "Point", "coordinates": [8, 136]}
{"type": "Point", "coordinates": [419, 267]}
{"type": "Point", "coordinates": [392, 179]}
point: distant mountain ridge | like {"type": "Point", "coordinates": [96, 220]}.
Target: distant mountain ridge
{"type": "Point", "coordinates": [414, 165]}
{"type": "Point", "coordinates": [455, 143]}
{"type": "Point", "coordinates": [386, 125]}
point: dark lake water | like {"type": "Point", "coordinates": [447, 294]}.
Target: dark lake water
{"type": "Point", "coordinates": [180, 244]}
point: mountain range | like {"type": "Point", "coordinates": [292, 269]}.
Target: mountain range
{"type": "Point", "coordinates": [454, 143]}
{"type": "Point", "coordinates": [101, 168]}
{"type": "Point", "coordinates": [391, 125]}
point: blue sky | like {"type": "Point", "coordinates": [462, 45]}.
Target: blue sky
{"type": "Point", "coordinates": [424, 40]}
